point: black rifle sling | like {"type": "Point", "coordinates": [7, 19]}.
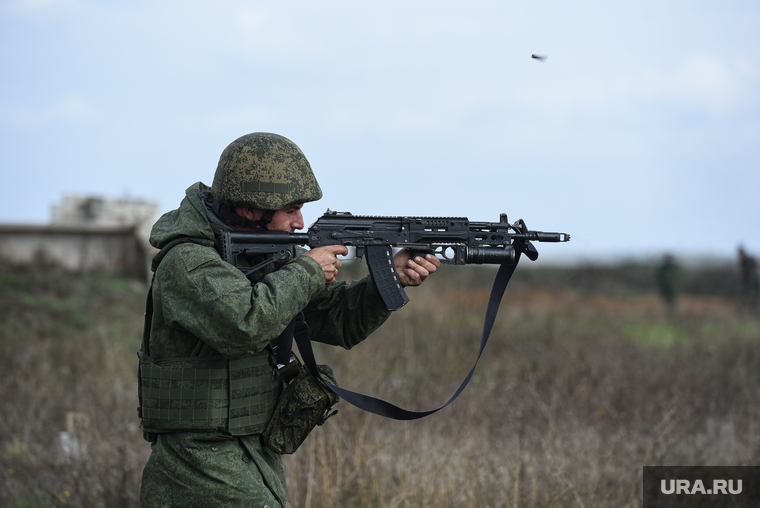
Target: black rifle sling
{"type": "Point", "coordinates": [364, 402]}
{"type": "Point", "coordinates": [385, 408]}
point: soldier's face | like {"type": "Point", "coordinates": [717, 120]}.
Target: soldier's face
{"type": "Point", "coordinates": [288, 219]}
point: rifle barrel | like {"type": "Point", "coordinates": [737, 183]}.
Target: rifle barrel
{"type": "Point", "coordinates": [542, 236]}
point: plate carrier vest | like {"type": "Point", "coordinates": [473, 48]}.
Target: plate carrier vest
{"type": "Point", "coordinates": [202, 394]}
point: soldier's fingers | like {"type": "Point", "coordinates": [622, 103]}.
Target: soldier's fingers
{"type": "Point", "coordinates": [429, 262]}
{"type": "Point", "coordinates": [415, 275]}
{"type": "Point", "coordinates": [337, 250]}
{"type": "Point", "coordinates": [416, 268]}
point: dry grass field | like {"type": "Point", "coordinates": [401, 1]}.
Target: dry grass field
{"type": "Point", "coordinates": [576, 391]}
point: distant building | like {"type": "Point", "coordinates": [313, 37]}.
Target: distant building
{"type": "Point", "coordinates": [86, 234]}
{"type": "Point", "coordinates": [88, 210]}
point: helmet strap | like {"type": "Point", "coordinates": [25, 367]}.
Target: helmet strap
{"type": "Point", "coordinates": [265, 219]}
{"type": "Point", "coordinates": [229, 216]}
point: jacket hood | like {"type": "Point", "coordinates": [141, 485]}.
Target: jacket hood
{"type": "Point", "coordinates": [189, 220]}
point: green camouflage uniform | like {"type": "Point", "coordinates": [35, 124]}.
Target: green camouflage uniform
{"type": "Point", "coordinates": [204, 306]}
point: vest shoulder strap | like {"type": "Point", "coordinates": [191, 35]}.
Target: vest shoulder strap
{"type": "Point", "coordinates": [177, 241]}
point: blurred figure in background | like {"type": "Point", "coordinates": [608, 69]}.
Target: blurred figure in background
{"type": "Point", "coordinates": [668, 278]}
{"type": "Point", "coordinates": [750, 279]}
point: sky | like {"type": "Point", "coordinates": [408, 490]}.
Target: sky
{"type": "Point", "coordinates": [638, 135]}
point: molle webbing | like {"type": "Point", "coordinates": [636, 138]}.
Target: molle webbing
{"type": "Point", "coordinates": [207, 393]}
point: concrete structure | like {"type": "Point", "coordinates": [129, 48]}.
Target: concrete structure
{"type": "Point", "coordinates": [86, 234]}
{"type": "Point", "coordinates": [97, 211]}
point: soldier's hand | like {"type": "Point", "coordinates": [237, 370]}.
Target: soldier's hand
{"type": "Point", "coordinates": [413, 272]}
{"type": "Point", "coordinates": [327, 259]}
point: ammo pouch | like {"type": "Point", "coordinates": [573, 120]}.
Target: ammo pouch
{"type": "Point", "coordinates": [305, 403]}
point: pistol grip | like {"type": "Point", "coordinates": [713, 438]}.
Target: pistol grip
{"type": "Point", "coordinates": [383, 271]}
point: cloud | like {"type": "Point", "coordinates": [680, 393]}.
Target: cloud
{"type": "Point", "coordinates": [702, 82]}
{"type": "Point", "coordinates": [703, 86]}
{"type": "Point", "coordinates": [74, 108]}
{"type": "Point", "coordinates": [36, 6]}
{"type": "Point", "coordinates": [261, 34]}
{"type": "Point", "coordinates": [70, 109]}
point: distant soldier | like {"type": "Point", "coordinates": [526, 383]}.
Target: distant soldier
{"type": "Point", "coordinates": [750, 280]}
{"type": "Point", "coordinates": [668, 278]}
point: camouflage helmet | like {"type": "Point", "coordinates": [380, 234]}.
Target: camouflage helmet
{"type": "Point", "coordinates": [264, 171]}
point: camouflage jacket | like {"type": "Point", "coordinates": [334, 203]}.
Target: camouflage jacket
{"type": "Point", "coordinates": [204, 306]}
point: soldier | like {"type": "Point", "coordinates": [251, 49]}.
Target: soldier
{"type": "Point", "coordinates": [204, 307]}
{"type": "Point", "coordinates": [668, 276]}
{"type": "Point", "coordinates": [750, 278]}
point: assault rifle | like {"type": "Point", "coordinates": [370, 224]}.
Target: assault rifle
{"type": "Point", "coordinates": [454, 240]}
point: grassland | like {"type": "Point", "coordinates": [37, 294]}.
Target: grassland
{"type": "Point", "coordinates": [585, 380]}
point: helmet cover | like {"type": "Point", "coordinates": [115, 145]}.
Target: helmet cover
{"type": "Point", "coordinates": [264, 171]}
